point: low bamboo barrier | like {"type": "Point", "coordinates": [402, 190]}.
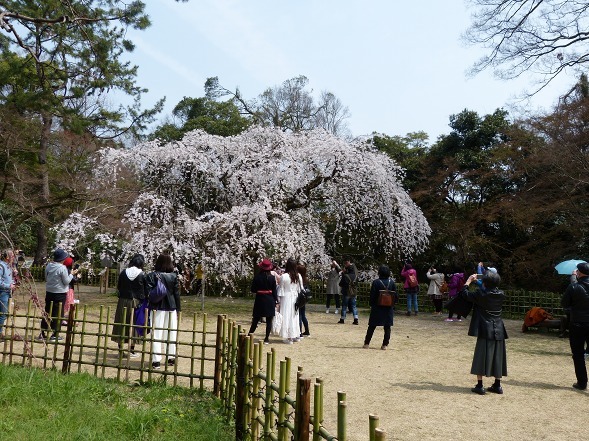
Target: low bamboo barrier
{"type": "Point", "coordinates": [261, 400]}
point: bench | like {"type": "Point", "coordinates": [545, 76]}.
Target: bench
{"type": "Point", "coordinates": [557, 323]}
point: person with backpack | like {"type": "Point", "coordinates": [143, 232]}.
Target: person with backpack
{"type": "Point", "coordinates": [576, 297]}
{"type": "Point", "coordinates": [348, 283]}
{"type": "Point", "coordinates": [164, 307]}
{"type": "Point", "coordinates": [411, 287]}
{"type": "Point", "coordinates": [383, 296]}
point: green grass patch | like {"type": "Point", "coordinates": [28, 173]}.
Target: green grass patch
{"type": "Point", "coordinates": [40, 404]}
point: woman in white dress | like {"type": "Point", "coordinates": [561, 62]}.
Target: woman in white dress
{"type": "Point", "coordinates": [290, 284]}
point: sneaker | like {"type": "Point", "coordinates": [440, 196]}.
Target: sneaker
{"type": "Point", "coordinates": [383, 347]}
{"type": "Point", "coordinates": [171, 361]}
{"type": "Point", "coordinates": [580, 386]}
{"type": "Point", "coordinates": [327, 311]}
{"type": "Point", "coordinates": [301, 336]}
{"type": "Point", "coordinates": [365, 346]}
{"type": "Point", "coordinates": [478, 390]}
{"type": "Point", "coordinates": [495, 389]}
{"type": "Point", "coordinates": [355, 321]}
{"type": "Point", "coordinates": [266, 341]}
{"type": "Point", "coordinates": [307, 334]}
{"type": "Point", "coordinates": [55, 338]}
{"type": "Point", "coordinates": [449, 320]}
{"type": "Point", "coordinates": [341, 322]}
{"type": "Point", "coordinates": [133, 354]}
{"type": "Point", "coordinates": [155, 365]}
{"type": "Point", "coordinates": [336, 311]}
{"type": "Point", "coordinates": [457, 320]}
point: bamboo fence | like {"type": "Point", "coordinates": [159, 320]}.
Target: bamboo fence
{"type": "Point", "coordinates": [260, 401]}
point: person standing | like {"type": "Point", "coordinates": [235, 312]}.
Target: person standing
{"type": "Point", "coordinates": [7, 285]}
{"type": "Point", "coordinates": [455, 284]}
{"type": "Point", "coordinates": [164, 314]}
{"type": "Point", "coordinates": [131, 290]}
{"type": "Point", "coordinates": [70, 297]}
{"type": "Point", "coordinates": [266, 298]}
{"type": "Point", "coordinates": [348, 285]}
{"type": "Point", "coordinates": [490, 355]}
{"type": "Point", "coordinates": [436, 279]}
{"type": "Point", "coordinates": [576, 299]}
{"type": "Point", "coordinates": [411, 287]}
{"type": "Point", "coordinates": [333, 287]}
{"type": "Point", "coordinates": [381, 315]}
{"type": "Point", "coordinates": [290, 284]}
{"type": "Point", "coordinates": [302, 270]}
{"type": "Point", "coordinates": [57, 281]}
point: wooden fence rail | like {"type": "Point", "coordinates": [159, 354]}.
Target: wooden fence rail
{"type": "Point", "coordinates": [226, 361]}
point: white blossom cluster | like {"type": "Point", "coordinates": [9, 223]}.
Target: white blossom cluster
{"type": "Point", "coordinates": [72, 230]}
{"type": "Point", "coordinates": [227, 202]}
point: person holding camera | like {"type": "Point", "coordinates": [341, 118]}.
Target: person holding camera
{"type": "Point", "coordinates": [490, 355]}
{"type": "Point", "coordinates": [436, 279]}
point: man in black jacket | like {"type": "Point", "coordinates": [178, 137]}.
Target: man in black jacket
{"type": "Point", "coordinates": [576, 297]}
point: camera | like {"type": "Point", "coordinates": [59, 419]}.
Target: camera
{"type": "Point", "coordinates": [76, 266]}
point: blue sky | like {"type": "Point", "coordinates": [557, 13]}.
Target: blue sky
{"type": "Point", "coordinates": [399, 66]}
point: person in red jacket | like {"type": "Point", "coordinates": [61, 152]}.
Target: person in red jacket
{"type": "Point", "coordinates": [411, 287]}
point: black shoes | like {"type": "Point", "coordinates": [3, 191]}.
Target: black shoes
{"type": "Point", "coordinates": [355, 322]}
{"type": "Point", "coordinates": [155, 365]}
{"type": "Point", "coordinates": [171, 361]}
{"type": "Point", "coordinates": [478, 390]}
{"type": "Point", "coordinates": [495, 389]}
{"type": "Point", "coordinates": [580, 386]}
{"type": "Point", "coordinates": [341, 322]}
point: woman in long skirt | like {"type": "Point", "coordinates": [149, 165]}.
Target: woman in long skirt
{"type": "Point", "coordinates": [290, 284]}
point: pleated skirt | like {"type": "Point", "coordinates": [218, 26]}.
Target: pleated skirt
{"type": "Point", "coordinates": [490, 358]}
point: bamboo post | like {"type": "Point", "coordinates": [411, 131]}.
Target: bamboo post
{"type": "Point", "coordinates": [269, 396]}
{"type": "Point", "coordinates": [317, 408]}
{"type": "Point", "coordinates": [218, 361]}
{"type": "Point", "coordinates": [240, 388]}
{"type": "Point", "coordinates": [283, 380]}
{"type": "Point", "coordinates": [341, 416]}
{"type": "Point", "coordinates": [203, 350]}
{"type": "Point", "coordinates": [372, 425]}
{"type": "Point", "coordinates": [303, 409]}
{"type": "Point", "coordinates": [380, 435]}
{"type": "Point", "coordinates": [69, 335]}
{"type": "Point", "coordinates": [255, 426]}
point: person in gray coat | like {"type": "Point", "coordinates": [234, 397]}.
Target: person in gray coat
{"type": "Point", "coordinates": [57, 282]}
{"type": "Point", "coordinates": [333, 287]}
{"type": "Point", "coordinates": [490, 356]}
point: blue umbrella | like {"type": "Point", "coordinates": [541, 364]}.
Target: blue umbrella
{"type": "Point", "coordinates": [568, 266]}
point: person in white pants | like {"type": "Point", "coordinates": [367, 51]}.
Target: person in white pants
{"type": "Point", "coordinates": [164, 303]}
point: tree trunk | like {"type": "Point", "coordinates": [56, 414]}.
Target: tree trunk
{"type": "Point", "coordinates": [43, 211]}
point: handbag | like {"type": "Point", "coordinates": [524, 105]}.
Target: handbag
{"type": "Point", "coordinates": [277, 323]}
{"type": "Point", "coordinates": [301, 299]}
{"type": "Point", "coordinates": [385, 296]}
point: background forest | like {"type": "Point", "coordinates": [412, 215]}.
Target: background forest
{"type": "Point", "coordinates": [495, 188]}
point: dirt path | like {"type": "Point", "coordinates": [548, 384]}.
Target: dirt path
{"type": "Point", "coordinates": [420, 386]}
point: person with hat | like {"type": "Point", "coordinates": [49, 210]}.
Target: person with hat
{"type": "Point", "coordinates": [266, 297]}
{"type": "Point", "coordinates": [57, 280]}
{"type": "Point", "coordinates": [576, 298]}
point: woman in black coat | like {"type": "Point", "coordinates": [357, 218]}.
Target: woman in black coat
{"type": "Point", "coordinates": [264, 288]}
{"type": "Point", "coordinates": [490, 357]}
{"type": "Point", "coordinates": [131, 289]}
{"type": "Point", "coordinates": [381, 315]}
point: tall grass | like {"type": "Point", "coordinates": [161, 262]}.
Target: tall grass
{"type": "Point", "coordinates": [46, 405]}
